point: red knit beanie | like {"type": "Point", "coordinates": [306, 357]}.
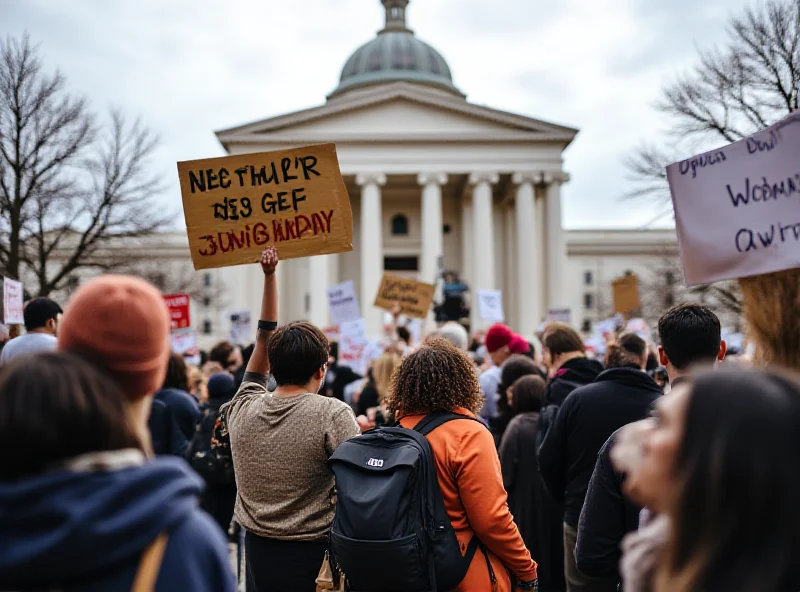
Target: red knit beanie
{"type": "Point", "coordinates": [497, 337]}
{"type": "Point", "coordinates": [519, 345]}
{"type": "Point", "coordinates": [122, 324]}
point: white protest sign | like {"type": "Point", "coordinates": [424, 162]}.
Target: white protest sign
{"type": "Point", "coordinates": [639, 327]}
{"type": "Point", "coordinates": [241, 330]}
{"type": "Point", "coordinates": [353, 342]}
{"type": "Point", "coordinates": [12, 302]}
{"type": "Point", "coordinates": [737, 209]}
{"type": "Point", "coordinates": [343, 303]}
{"type": "Point", "coordinates": [560, 315]}
{"type": "Point", "coordinates": [490, 306]}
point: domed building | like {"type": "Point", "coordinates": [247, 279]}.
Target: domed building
{"type": "Point", "coordinates": [436, 183]}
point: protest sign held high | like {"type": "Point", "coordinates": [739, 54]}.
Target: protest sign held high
{"type": "Point", "coordinates": [737, 209]}
{"type": "Point", "coordinates": [238, 205]}
{"type": "Point", "coordinates": [178, 305]}
{"type": "Point", "coordinates": [343, 303]}
{"type": "Point", "coordinates": [414, 297]}
{"type": "Point", "coordinates": [490, 306]}
{"type": "Point", "coordinates": [12, 302]}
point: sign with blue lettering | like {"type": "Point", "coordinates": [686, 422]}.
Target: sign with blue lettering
{"type": "Point", "coordinates": [737, 209]}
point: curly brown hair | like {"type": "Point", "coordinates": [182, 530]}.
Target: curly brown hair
{"type": "Point", "coordinates": [436, 377]}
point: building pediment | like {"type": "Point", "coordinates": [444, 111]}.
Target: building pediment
{"type": "Point", "coordinates": [397, 112]}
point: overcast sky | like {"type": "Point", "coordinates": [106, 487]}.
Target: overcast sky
{"type": "Point", "coordinates": [190, 67]}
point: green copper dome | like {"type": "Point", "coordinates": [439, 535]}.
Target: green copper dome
{"type": "Point", "coordinates": [395, 55]}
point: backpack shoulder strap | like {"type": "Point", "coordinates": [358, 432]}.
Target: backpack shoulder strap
{"type": "Point", "coordinates": [150, 565]}
{"type": "Point", "coordinates": [433, 420]}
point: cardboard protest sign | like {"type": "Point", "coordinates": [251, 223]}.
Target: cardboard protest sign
{"type": "Point", "coordinates": [178, 305]}
{"type": "Point", "coordinates": [490, 306]}
{"type": "Point", "coordinates": [241, 329]}
{"type": "Point", "coordinates": [626, 294]}
{"type": "Point", "coordinates": [13, 300]}
{"type": "Point", "coordinates": [737, 209]}
{"type": "Point", "coordinates": [343, 303]}
{"type": "Point", "coordinates": [238, 205]}
{"type": "Point", "coordinates": [414, 297]}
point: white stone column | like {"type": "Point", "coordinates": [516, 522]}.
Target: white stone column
{"type": "Point", "coordinates": [528, 274]}
{"type": "Point", "coordinates": [318, 280]}
{"type": "Point", "coordinates": [483, 262]}
{"type": "Point", "coordinates": [432, 242]}
{"type": "Point", "coordinates": [371, 249]}
{"type": "Point", "coordinates": [466, 239]}
{"type": "Point", "coordinates": [556, 245]}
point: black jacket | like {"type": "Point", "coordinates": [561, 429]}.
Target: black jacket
{"type": "Point", "coordinates": [585, 421]}
{"type": "Point", "coordinates": [574, 373]}
{"type": "Point", "coordinates": [606, 518]}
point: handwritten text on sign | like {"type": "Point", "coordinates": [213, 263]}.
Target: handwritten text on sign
{"type": "Point", "coordinates": [737, 209]}
{"type": "Point", "coordinates": [12, 302]}
{"type": "Point", "coordinates": [414, 297]}
{"type": "Point", "coordinates": [238, 205]}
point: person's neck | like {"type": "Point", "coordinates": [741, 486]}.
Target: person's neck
{"type": "Point", "coordinates": [41, 331]}
{"type": "Point", "coordinates": [567, 357]}
{"type": "Point", "coordinates": [290, 390]}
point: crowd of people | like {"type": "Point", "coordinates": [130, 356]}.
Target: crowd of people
{"type": "Point", "coordinates": [125, 468]}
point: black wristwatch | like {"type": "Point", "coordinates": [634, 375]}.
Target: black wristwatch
{"type": "Point", "coordinates": [531, 585]}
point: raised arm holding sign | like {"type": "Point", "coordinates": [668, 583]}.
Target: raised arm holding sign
{"type": "Point", "coordinates": [294, 200]}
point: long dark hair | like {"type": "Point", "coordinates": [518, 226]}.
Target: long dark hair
{"type": "Point", "coordinates": [736, 515]}
{"type": "Point", "coordinates": [55, 406]}
{"type": "Point", "coordinates": [177, 375]}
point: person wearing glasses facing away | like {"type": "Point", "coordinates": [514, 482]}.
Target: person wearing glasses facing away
{"type": "Point", "coordinates": [281, 442]}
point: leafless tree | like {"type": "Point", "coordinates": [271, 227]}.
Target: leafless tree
{"type": "Point", "coordinates": [733, 91]}
{"type": "Point", "coordinates": [69, 182]}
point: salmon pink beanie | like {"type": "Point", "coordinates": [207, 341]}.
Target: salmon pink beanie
{"type": "Point", "coordinates": [122, 324]}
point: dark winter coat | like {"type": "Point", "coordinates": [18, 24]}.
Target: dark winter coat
{"type": "Point", "coordinates": [185, 414]}
{"type": "Point", "coordinates": [535, 514]}
{"type": "Point", "coordinates": [607, 516]}
{"type": "Point", "coordinates": [574, 373]}
{"type": "Point", "coordinates": [586, 419]}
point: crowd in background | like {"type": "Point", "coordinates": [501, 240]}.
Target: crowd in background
{"type": "Point", "coordinates": [660, 466]}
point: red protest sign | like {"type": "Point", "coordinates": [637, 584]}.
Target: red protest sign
{"type": "Point", "coordinates": [178, 305]}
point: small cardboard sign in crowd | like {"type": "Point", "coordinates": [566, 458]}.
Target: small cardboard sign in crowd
{"type": "Point", "coordinates": [413, 297]}
{"type": "Point", "coordinates": [737, 208]}
{"type": "Point", "coordinates": [237, 206]}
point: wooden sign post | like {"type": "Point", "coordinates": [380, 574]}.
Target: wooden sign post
{"type": "Point", "coordinates": [414, 297]}
{"type": "Point", "coordinates": [236, 206]}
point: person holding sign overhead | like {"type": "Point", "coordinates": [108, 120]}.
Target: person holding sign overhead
{"type": "Point", "coordinates": [281, 442]}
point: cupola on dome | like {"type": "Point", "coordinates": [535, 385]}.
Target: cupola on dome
{"type": "Point", "coordinates": [396, 54]}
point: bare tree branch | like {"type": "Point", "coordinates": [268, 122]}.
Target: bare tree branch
{"type": "Point", "coordinates": [69, 183]}
{"type": "Point", "coordinates": [732, 92]}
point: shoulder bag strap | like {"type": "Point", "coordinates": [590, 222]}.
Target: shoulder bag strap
{"type": "Point", "coordinates": [150, 565]}
{"type": "Point", "coordinates": [433, 420]}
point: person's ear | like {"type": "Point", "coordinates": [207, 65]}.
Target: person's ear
{"type": "Point", "coordinates": [723, 349]}
{"type": "Point", "coordinates": [662, 357]}
{"type": "Point", "coordinates": [319, 374]}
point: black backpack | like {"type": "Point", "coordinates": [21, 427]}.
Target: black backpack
{"type": "Point", "coordinates": [391, 531]}
{"type": "Point", "coordinates": [209, 452]}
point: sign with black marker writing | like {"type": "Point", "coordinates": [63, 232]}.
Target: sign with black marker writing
{"type": "Point", "coordinates": [413, 297]}
{"type": "Point", "coordinates": [238, 205]}
{"type": "Point", "coordinates": [737, 209]}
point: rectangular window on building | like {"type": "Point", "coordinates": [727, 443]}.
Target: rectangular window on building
{"type": "Point", "coordinates": [587, 326]}
{"type": "Point", "coordinates": [206, 301]}
{"type": "Point", "coordinates": [207, 327]}
{"type": "Point", "coordinates": [588, 301]}
{"type": "Point", "coordinates": [587, 278]}
{"type": "Point", "coordinates": [207, 279]}
{"type": "Point", "coordinates": [401, 263]}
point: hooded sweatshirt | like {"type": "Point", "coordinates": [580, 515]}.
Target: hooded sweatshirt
{"type": "Point", "coordinates": [86, 530]}
{"type": "Point", "coordinates": [574, 373]}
